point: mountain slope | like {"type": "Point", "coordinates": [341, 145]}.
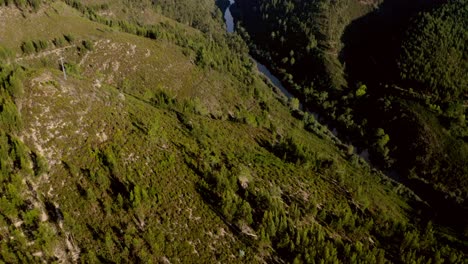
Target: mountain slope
{"type": "Point", "coordinates": [163, 144]}
{"type": "Point", "coordinates": [389, 75]}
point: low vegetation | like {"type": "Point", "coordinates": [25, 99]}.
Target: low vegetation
{"type": "Point", "coordinates": [177, 150]}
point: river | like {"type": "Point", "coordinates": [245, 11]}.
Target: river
{"type": "Point", "coordinates": [228, 18]}
{"type": "Point", "coordinates": [363, 153]}
{"type": "Point", "coordinates": [442, 211]}
{"type": "Point", "coordinates": [230, 27]}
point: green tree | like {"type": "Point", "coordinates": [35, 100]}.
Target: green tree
{"type": "Point", "coordinates": [27, 47]}
{"type": "Point", "coordinates": [434, 52]}
{"type": "Point", "coordinates": [294, 103]}
{"type": "Point", "coordinates": [361, 91]}
{"type": "Point", "coordinates": [88, 45]}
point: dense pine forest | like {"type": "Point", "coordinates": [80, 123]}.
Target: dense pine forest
{"type": "Point", "coordinates": [141, 131]}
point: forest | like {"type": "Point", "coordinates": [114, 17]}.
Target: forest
{"type": "Point", "coordinates": [165, 145]}
{"type": "Point", "coordinates": [390, 74]}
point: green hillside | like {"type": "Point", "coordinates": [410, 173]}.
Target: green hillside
{"type": "Point", "coordinates": [162, 143]}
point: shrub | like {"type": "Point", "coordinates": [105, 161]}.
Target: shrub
{"type": "Point", "coordinates": [72, 68]}
{"type": "Point", "coordinates": [59, 41]}
{"type": "Point", "coordinates": [40, 45]}
{"type": "Point", "coordinates": [27, 47]}
{"type": "Point", "coordinates": [9, 116]}
{"type": "Point", "coordinates": [361, 90]}
{"type": "Point", "coordinates": [34, 4]}
{"type": "Point", "coordinates": [88, 45]}
{"type": "Point", "coordinates": [5, 53]}
{"type": "Point", "coordinates": [294, 103]}
{"type": "Point", "coordinates": [69, 38]}
{"type": "Point", "coordinates": [196, 106]}
{"type": "Point", "coordinates": [20, 3]}
{"type": "Point", "coordinates": [15, 87]}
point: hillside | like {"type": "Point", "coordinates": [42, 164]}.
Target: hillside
{"type": "Point", "coordinates": [390, 75]}
{"type": "Point", "coordinates": [160, 142]}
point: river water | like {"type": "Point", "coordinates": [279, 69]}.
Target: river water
{"type": "Point", "coordinates": [230, 27]}
{"type": "Point", "coordinates": [363, 153]}
{"type": "Point", "coordinates": [228, 18]}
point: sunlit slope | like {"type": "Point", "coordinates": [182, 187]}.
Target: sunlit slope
{"type": "Point", "coordinates": [148, 151]}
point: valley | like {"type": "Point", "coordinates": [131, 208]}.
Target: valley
{"type": "Point", "coordinates": [168, 143]}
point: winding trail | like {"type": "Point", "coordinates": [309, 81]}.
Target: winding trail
{"type": "Point", "coordinates": [42, 54]}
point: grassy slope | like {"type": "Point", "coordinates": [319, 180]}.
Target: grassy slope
{"type": "Point", "coordinates": [67, 121]}
{"type": "Point", "coordinates": [125, 168]}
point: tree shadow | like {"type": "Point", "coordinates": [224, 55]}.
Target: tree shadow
{"type": "Point", "coordinates": [54, 212]}
{"type": "Point", "coordinates": [372, 43]}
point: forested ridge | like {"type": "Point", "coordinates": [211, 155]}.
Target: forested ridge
{"type": "Point", "coordinates": [163, 144]}
{"type": "Point", "coordinates": [391, 74]}
{"type": "Point", "coordinates": [434, 53]}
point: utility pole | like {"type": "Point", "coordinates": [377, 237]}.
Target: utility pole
{"type": "Point", "coordinates": [63, 68]}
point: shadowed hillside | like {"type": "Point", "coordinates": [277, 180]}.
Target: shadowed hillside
{"type": "Point", "coordinates": [388, 74]}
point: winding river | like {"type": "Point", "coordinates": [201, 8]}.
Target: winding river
{"type": "Point", "coordinates": [260, 67]}
{"type": "Point", "coordinates": [228, 18]}
{"type": "Point", "coordinates": [363, 153]}
{"type": "Point", "coordinates": [441, 211]}
{"type": "Point", "coordinates": [230, 27]}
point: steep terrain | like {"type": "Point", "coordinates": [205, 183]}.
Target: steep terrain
{"type": "Point", "coordinates": [390, 75]}
{"type": "Point", "coordinates": [163, 144]}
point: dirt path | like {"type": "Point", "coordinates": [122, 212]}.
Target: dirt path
{"type": "Point", "coordinates": [44, 53]}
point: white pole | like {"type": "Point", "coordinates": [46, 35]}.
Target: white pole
{"type": "Point", "coordinates": [63, 69]}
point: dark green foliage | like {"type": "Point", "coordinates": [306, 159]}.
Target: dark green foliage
{"type": "Point", "coordinates": [434, 54]}
{"type": "Point", "coordinates": [202, 58]}
{"type": "Point", "coordinates": [9, 116]}
{"type": "Point", "coordinates": [69, 38]}
{"type": "Point", "coordinates": [308, 43]}
{"type": "Point", "coordinates": [59, 41]}
{"type": "Point", "coordinates": [162, 98]}
{"type": "Point", "coordinates": [40, 45]}
{"type": "Point", "coordinates": [11, 88]}
{"type": "Point", "coordinates": [5, 53]}
{"type": "Point", "coordinates": [15, 85]}
{"type": "Point", "coordinates": [34, 4]}
{"type": "Point", "coordinates": [27, 47]}
{"type": "Point", "coordinates": [14, 161]}
{"type": "Point", "coordinates": [88, 45]}
{"type": "Point", "coordinates": [380, 145]}
{"type": "Point", "coordinates": [291, 150]}
{"type": "Point", "coordinates": [72, 68]}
